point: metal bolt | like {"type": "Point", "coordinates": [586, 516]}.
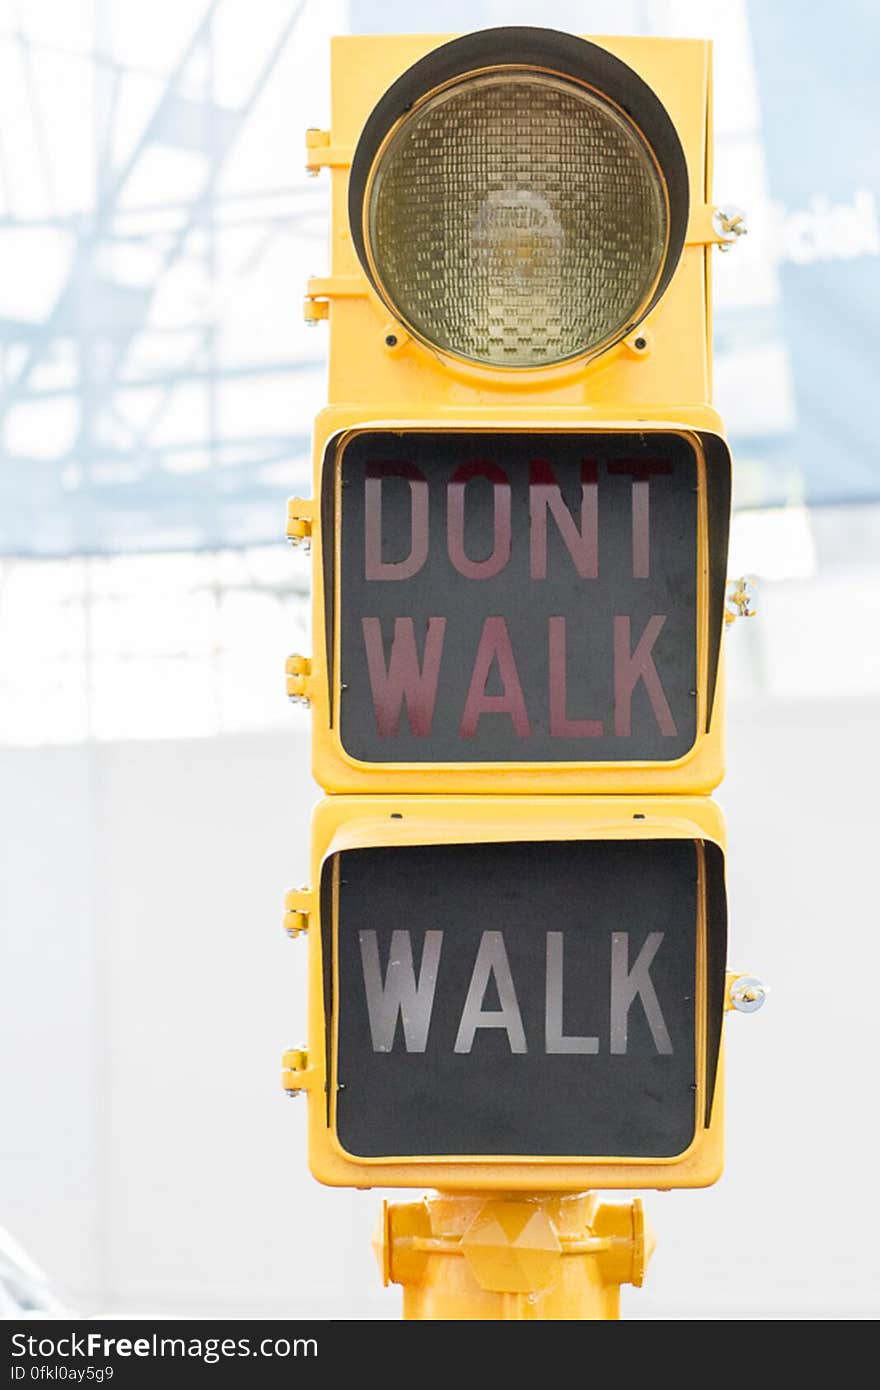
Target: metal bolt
{"type": "Point", "coordinates": [741, 599]}
{"type": "Point", "coordinates": [294, 1095]}
{"type": "Point", "coordinates": [748, 994]}
{"type": "Point", "coordinates": [730, 225]}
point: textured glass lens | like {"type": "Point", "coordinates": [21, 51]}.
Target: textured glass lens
{"type": "Point", "coordinates": [517, 220]}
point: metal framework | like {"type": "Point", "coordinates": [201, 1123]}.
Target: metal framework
{"type": "Point", "coordinates": [136, 472]}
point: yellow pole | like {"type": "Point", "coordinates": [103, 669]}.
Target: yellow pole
{"type": "Point", "coordinates": [536, 1257]}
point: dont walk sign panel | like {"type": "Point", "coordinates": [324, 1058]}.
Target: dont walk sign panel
{"type": "Point", "coordinates": [498, 603]}
{"type": "Point", "coordinates": [518, 598]}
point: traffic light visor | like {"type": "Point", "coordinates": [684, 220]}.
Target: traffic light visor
{"type": "Point", "coordinates": [518, 199]}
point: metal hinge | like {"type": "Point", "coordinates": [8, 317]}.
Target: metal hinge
{"type": "Point", "coordinates": [297, 910]}
{"type": "Point", "coordinates": [296, 1075]}
{"type": "Point", "coordinates": [299, 685]}
{"type": "Point", "coordinates": [320, 289]}
{"type": "Point", "coordinates": [320, 154]}
{"type": "Point", "coordinates": [300, 516]}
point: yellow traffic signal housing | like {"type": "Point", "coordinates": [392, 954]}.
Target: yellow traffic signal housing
{"type": "Point", "coordinates": [514, 993]}
{"type": "Point", "coordinates": [521, 492]}
{"type": "Point", "coordinates": [521, 500]}
{"type": "Point", "coordinates": [650, 99]}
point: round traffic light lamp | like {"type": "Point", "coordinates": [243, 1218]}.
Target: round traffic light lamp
{"type": "Point", "coordinates": [519, 199]}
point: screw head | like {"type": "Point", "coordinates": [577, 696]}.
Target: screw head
{"type": "Point", "coordinates": [730, 224]}
{"type": "Point", "coordinates": [741, 597]}
{"type": "Point", "coordinates": [748, 994]}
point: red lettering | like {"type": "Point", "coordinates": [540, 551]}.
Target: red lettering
{"type": "Point", "coordinates": [630, 667]}
{"type": "Point", "coordinates": [641, 471]}
{"type": "Point", "coordinates": [403, 681]}
{"type": "Point", "coordinates": [545, 495]}
{"type": "Point", "coordinates": [374, 566]}
{"type": "Point", "coordinates": [479, 569]}
{"type": "Point", "coordinates": [560, 724]}
{"type": "Point", "coordinates": [495, 646]}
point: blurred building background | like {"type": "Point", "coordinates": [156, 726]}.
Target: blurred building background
{"type": "Point", "coordinates": [158, 387]}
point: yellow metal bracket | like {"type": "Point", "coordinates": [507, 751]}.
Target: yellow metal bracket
{"type": "Point", "coordinates": [296, 1075]}
{"type": "Point", "coordinates": [337, 287]}
{"type": "Point", "coordinates": [300, 516]}
{"type": "Point", "coordinates": [320, 154]}
{"type": "Point", "coordinates": [322, 288]}
{"type": "Point", "coordinates": [714, 226]}
{"type": "Point", "coordinates": [298, 670]}
{"type": "Point", "coordinates": [297, 911]}
{"type": "Point", "coordinates": [314, 310]}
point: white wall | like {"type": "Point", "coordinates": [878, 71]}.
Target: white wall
{"type": "Point", "coordinates": [149, 1160]}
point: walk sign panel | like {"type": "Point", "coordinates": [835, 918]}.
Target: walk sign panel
{"type": "Point", "coordinates": [516, 989]}
{"type": "Point", "coordinates": [517, 998]}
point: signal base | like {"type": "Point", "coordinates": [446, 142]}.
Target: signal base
{"type": "Point", "coordinates": [538, 1257]}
